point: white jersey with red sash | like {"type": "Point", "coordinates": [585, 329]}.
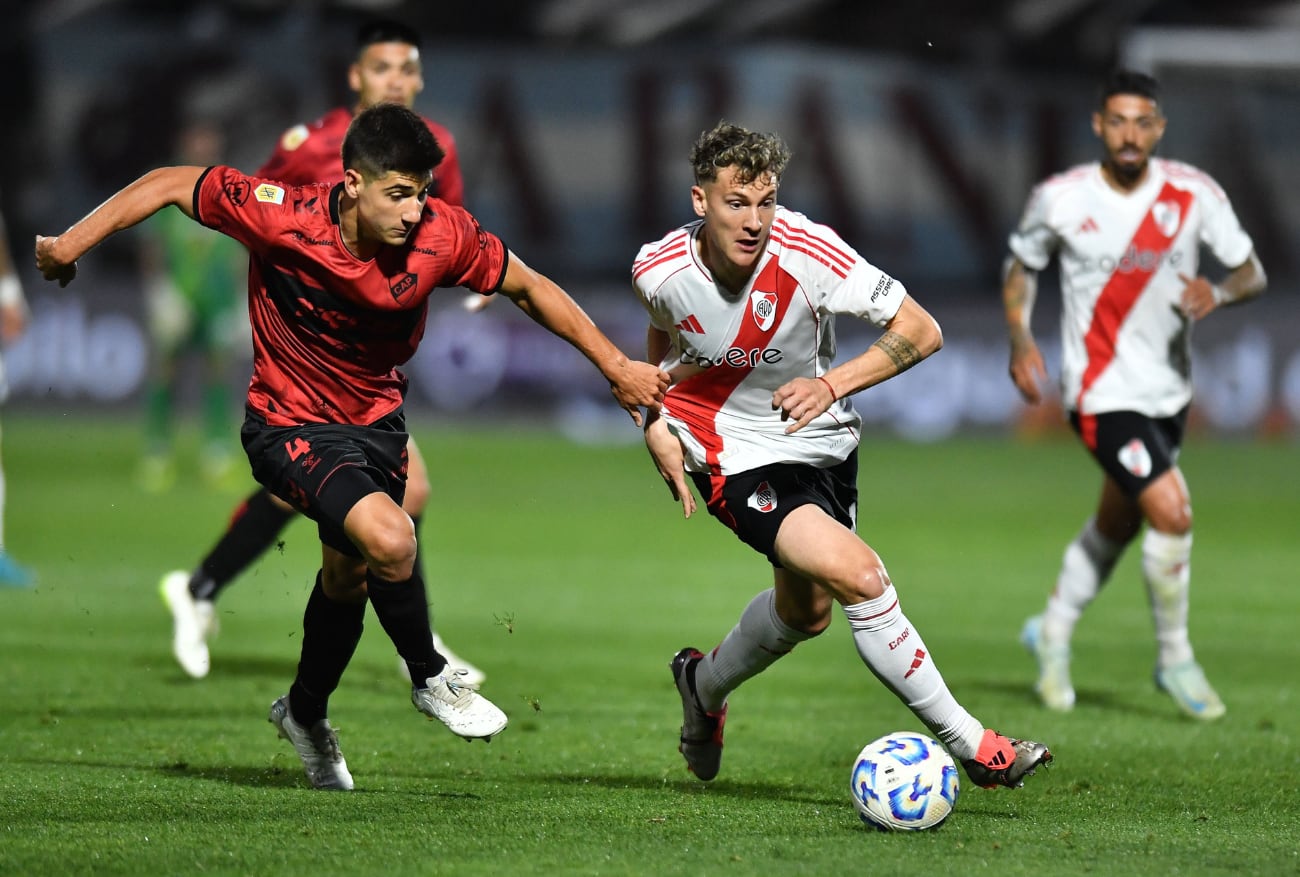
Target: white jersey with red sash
{"type": "Point", "coordinates": [730, 352]}
{"type": "Point", "coordinates": [1124, 340]}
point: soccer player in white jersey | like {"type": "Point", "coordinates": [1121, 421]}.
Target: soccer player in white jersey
{"type": "Point", "coordinates": [742, 306]}
{"type": "Point", "coordinates": [1127, 231]}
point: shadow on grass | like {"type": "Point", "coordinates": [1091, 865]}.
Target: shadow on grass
{"type": "Point", "coordinates": [1154, 704]}
{"type": "Point", "coordinates": [243, 667]}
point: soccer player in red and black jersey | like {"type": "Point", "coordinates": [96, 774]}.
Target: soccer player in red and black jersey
{"type": "Point", "coordinates": [339, 282]}
{"type": "Point", "coordinates": [387, 68]}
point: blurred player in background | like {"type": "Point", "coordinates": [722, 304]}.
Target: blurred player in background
{"type": "Point", "coordinates": [192, 279]}
{"type": "Point", "coordinates": [13, 321]}
{"type": "Point", "coordinates": [742, 306]}
{"type": "Point", "coordinates": [387, 68]}
{"type": "Point", "coordinates": [339, 282]}
{"type": "Point", "coordinates": [1128, 231]}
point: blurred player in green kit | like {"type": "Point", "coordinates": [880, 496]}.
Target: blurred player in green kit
{"type": "Point", "coordinates": [193, 277]}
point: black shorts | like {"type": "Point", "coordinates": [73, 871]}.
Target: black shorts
{"type": "Point", "coordinates": [754, 503]}
{"type": "Point", "coordinates": [1132, 448]}
{"type": "Point", "coordinates": [324, 469]}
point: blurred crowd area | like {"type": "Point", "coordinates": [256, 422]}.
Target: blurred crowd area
{"type": "Point", "coordinates": [918, 130]}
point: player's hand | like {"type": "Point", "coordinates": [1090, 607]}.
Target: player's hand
{"type": "Point", "coordinates": [802, 399]}
{"type": "Point", "coordinates": [666, 451]}
{"type": "Point", "coordinates": [639, 385]}
{"type": "Point", "coordinates": [1028, 372]}
{"type": "Point", "coordinates": [1198, 297]}
{"type": "Point", "coordinates": [50, 267]}
{"type": "Point", "coordinates": [474, 302]}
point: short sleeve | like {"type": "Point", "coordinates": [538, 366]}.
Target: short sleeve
{"type": "Point", "coordinates": [1221, 231]}
{"type": "Point", "coordinates": [250, 210]}
{"type": "Point", "coordinates": [478, 258]}
{"type": "Point", "coordinates": [1034, 240]}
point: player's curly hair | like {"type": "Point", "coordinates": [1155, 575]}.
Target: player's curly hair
{"type": "Point", "coordinates": [754, 155]}
{"type": "Point", "coordinates": [389, 137]}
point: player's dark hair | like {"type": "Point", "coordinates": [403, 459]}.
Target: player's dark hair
{"type": "Point", "coordinates": [385, 30]}
{"type": "Point", "coordinates": [389, 137]}
{"type": "Point", "coordinates": [754, 155]}
{"type": "Point", "coordinates": [1129, 82]}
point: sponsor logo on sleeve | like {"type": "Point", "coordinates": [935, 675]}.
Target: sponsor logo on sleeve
{"type": "Point", "coordinates": [269, 194]}
{"type": "Point", "coordinates": [883, 285]}
{"type": "Point", "coordinates": [293, 138]}
{"type": "Point", "coordinates": [237, 192]}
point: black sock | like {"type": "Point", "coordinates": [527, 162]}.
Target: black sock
{"type": "Point", "coordinates": [403, 610]}
{"type": "Point", "coordinates": [418, 569]}
{"type": "Point", "coordinates": [253, 528]}
{"type": "Point", "coordinates": [330, 633]}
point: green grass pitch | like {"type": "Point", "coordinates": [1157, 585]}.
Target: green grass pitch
{"type": "Point", "coordinates": [568, 573]}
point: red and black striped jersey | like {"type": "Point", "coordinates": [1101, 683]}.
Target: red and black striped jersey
{"type": "Point", "coordinates": [330, 329]}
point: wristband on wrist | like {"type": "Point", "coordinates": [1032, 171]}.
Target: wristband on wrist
{"type": "Point", "coordinates": [1220, 294]}
{"type": "Point", "coordinates": [834, 396]}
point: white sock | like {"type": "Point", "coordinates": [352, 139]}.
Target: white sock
{"type": "Point", "coordinates": [758, 640]}
{"type": "Point", "coordinates": [1085, 567]}
{"type": "Point", "coordinates": [893, 650]}
{"type": "Point", "coordinates": [1166, 565]}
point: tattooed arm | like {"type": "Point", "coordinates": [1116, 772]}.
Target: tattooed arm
{"type": "Point", "coordinates": [1027, 369]}
{"type": "Point", "coordinates": [909, 337]}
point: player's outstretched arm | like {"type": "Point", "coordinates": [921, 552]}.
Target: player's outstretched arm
{"type": "Point", "coordinates": [1027, 369]}
{"type": "Point", "coordinates": [634, 384]}
{"type": "Point", "coordinates": [910, 336]}
{"type": "Point", "coordinates": [56, 257]}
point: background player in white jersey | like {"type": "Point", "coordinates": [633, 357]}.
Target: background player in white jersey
{"type": "Point", "coordinates": [1127, 231]}
{"type": "Point", "coordinates": [742, 308]}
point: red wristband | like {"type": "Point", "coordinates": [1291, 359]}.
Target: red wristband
{"type": "Point", "coordinates": [834, 398]}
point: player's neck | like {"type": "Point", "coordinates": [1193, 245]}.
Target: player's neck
{"type": "Point", "coordinates": [726, 274]}
{"type": "Point", "coordinates": [350, 230]}
{"type": "Point", "coordinates": [1124, 183]}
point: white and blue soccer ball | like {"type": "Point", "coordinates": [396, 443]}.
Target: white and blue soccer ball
{"type": "Point", "coordinates": [904, 782]}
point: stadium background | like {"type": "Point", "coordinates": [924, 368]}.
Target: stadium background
{"type": "Point", "coordinates": [918, 130]}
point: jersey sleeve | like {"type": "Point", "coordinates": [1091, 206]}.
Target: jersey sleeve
{"type": "Point", "coordinates": [848, 284]}
{"type": "Point", "coordinates": [250, 210]}
{"type": "Point", "coordinates": [867, 293]}
{"type": "Point", "coordinates": [478, 259]}
{"type": "Point", "coordinates": [1221, 231]}
{"type": "Point", "coordinates": [1034, 240]}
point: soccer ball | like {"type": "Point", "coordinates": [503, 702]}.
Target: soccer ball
{"type": "Point", "coordinates": [904, 782]}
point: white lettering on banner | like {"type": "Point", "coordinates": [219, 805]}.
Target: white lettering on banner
{"type": "Point", "coordinates": [68, 354]}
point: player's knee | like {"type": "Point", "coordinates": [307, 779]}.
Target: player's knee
{"type": "Point", "coordinates": [390, 552]}
{"type": "Point", "coordinates": [1174, 518]}
{"type": "Point", "coordinates": [866, 583]}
